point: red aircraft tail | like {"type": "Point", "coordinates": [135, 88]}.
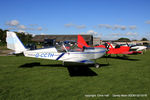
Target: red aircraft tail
{"type": "Point", "coordinates": [81, 42]}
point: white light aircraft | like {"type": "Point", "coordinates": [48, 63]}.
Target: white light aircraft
{"type": "Point", "coordinates": [136, 47]}
{"type": "Point", "coordinates": [85, 56]}
{"type": "Point", "coordinates": [139, 48]}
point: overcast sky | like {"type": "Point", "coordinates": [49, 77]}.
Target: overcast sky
{"type": "Point", "coordinates": [108, 19]}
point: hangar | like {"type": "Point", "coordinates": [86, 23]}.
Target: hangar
{"type": "Point", "coordinates": [58, 38]}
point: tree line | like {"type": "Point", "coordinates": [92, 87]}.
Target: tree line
{"type": "Point", "coordinates": [128, 40]}
{"type": "Point", "coordinates": [24, 37]}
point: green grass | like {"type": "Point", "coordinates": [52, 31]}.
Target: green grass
{"type": "Point", "coordinates": [50, 81]}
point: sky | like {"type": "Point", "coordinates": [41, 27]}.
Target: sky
{"type": "Point", "coordinates": [107, 19]}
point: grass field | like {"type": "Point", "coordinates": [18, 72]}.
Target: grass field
{"type": "Point", "coordinates": [24, 78]}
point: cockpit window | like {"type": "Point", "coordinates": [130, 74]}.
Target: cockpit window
{"type": "Point", "coordinates": [67, 47]}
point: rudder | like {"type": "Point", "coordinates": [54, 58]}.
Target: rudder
{"type": "Point", "coordinates": [14, 43]}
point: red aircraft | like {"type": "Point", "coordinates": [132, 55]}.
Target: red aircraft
{"type": "Point", "coordinates": [111, 50]}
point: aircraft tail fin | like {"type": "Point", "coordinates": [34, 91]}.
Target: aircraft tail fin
{"type": "Point", "coordinates": [14, 43]}
{"type": "Point", "coordinates": [81, 42]}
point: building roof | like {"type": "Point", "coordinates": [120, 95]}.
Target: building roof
{"type": "Point", "coordinates": [40, 38]}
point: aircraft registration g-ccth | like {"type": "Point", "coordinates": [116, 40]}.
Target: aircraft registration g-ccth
{"type": "Point", "coordinates": [84, 55]}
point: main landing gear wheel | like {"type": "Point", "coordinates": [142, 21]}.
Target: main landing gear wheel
{"type": "Point", "coordinates": [97, 65]}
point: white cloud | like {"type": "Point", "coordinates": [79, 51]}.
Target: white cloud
{"type": "Point", "coordinates": [20, 31]}
{"type": "Point", "coordinates": [132, 27]}
{"type": "Point", "coordinates": [43, 34]}
{"type": "Point", "coordinates": [131, 34]}
{"type": "Point", "coordinates": [104, 25]}
{"type": "Point", "coordinates": [33, 24]}
{"type": "Point", "coordinates": [11, 28]}
{"type": "Point", "coordinates": [39, 28]}
{"type": "Point", "coordinates": [101, 25]}
{"type": "Point", "coordinates": [147, 22]}
{"type": "Point", "coordinates": [125, 34]}
{"type": "Point", "coordinates": [104, 37]}
{"type": "Point", "coordinates": [108, 26]}
{"type": "Point", "coordinates": [80, 26]}
{"type": "Point", "coordinates": [98, 35]}
{"type": "Point", "coordinates": [12, 23]}
{"type": "Point", "coordinates": [92, 32]}
{"type": "Point", "coordinates": [22, 27]}
{"type": "Point", "coordinates": [75, 26]}
{"type": "Point", "coordinates": [116, 26]}
{"type": "Point", "coordinates": [122, 27]}
{"type": "Point", "coordinates": [32, 29]}
{"type": "Point", "coordinates": [15, 25]}
{"type": "Point", "coordinates": [69, 25]}
{"type": "Point", "coordinates": [116, 34]}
